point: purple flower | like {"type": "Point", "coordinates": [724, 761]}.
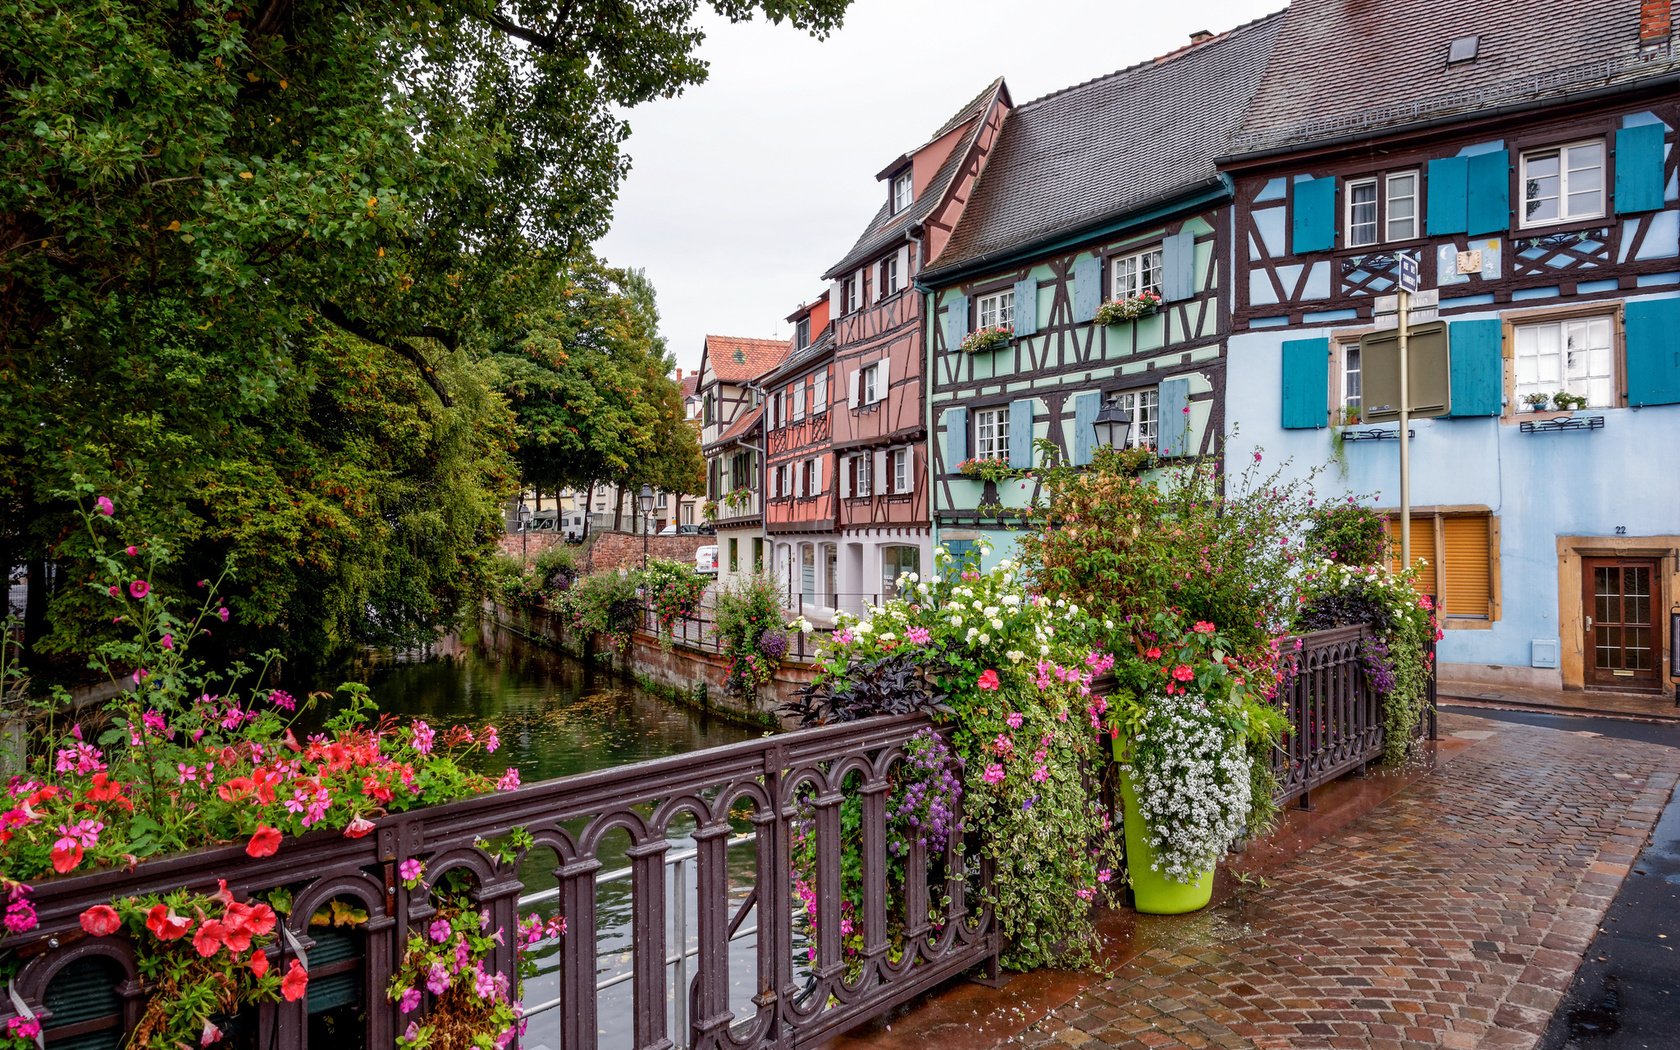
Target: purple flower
{"type": "Point", "coordinates": [223, 613]}
{"type": "Point", "coordinates": [440, 930]}
{"type": "Point", "coordinates": [491, 740]}
{"type": "Point", "coordinates": [409, 869]}
{"type": "Point", "coordinates": [423, 737]}
{"type": "Point", "coordinates": [437, 979]}
{"type": "Point", "coordinates": [139, 588]}
{"type": "Point", "coordinates": [283, 700]}
{"type": "Point", "coordinates": [410, 1001]}
{"type": "Point", "coordinates": [104, 506]}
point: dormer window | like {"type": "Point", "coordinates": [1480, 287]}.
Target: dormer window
{"type": "Point", "coordinates": [901, 192]}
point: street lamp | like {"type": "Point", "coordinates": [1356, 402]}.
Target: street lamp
{"type": "Point", "coordinates": [647, 524]}
{"type": "Point", "coordinates": [523, 514]}
{"type": "Point", "coordinates": [1112, 424]}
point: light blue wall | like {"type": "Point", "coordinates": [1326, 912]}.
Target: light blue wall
{"type": "Point", "coordinates": [1539, 486]}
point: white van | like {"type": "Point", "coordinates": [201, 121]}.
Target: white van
{"type": "Point", "coordinates": [573, 524]}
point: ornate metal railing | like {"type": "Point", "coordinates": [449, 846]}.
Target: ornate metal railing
{"type": "Point", "coordinates": [1337, 718]}
{"type": "Point", "coordinates": [784, 984]}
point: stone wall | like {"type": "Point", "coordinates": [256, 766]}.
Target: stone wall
{"type": "Point", "coordinates": [607, 550]}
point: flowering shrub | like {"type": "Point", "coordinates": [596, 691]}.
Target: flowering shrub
{"type": "Point", "coordinates": [1114, 311]}
{"type": "Point", "coordinates": [749, 628]}
{"type": "Point", "coordinates": [673, 590]}
{"type": "Point", "coordinates": [983, 339]}
{"type": "Point", "coordinates": [1347, 532]}
{"type": "Point", "coordinates": [604, 604]}
{"type": "Point", "coordinates": [1017, 687]}
{"type": "Point", "coordinates": [988, 468]}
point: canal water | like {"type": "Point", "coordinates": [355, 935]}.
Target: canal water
{"type": "Point", "coordinates": [557, 717]}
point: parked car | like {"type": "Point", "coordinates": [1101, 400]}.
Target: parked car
{"type": "Point", "coordinates": [669, 530]}
{"type": "Point", "coordinates": [674, 529]}
{"type": "Point", "coordinates": [705, 559]}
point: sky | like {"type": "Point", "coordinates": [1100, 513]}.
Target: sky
{"type": "Point", "coordinates": [744, 189]}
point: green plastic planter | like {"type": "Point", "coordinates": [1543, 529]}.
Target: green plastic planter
{"type": "Point", "coordinates": [1152, 892]}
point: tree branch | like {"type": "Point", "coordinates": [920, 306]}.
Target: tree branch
{"type": "Point", "coordinates": [396, 344]}
{"type": "Point", "coordinates": [541, 41]}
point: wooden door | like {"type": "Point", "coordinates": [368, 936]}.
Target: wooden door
{"type": "Point", "coordinates": [1619, 601]}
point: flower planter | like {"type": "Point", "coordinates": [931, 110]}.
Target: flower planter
{"type": "Point", "coordinates": [1152, 892]}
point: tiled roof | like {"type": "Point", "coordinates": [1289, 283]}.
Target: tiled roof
{"type": "Point", "coordinates": [803, 358]}
{"type": "Point", "coordinates": [1344, 69]}
{"type": "Point", "coordinates": [1092, 151]}
{"type": "Point", "coordinates": [691, 384]}
{"type": "Point", "coordinates": [886, 228]}
{"type": "Point", "coordinates": [736, 360]}
{"type": "Point", "coordinates": [740, 427]}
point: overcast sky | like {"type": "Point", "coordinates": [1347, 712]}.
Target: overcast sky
{"type": "Point", "coordinates": [746, 188]}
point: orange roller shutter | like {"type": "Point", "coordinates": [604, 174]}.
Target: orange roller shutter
{"type": "Point", "coordinates": [1423, 549]}
{"type": "Point", "coordinates": [1464, 542]}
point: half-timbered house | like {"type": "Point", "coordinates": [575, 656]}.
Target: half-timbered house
{"type": "Point", "coordinates": [1103, 192]}
{"type": "Point", "coordinates": [1523, 155]}
{"type": "Point", "coordinates": [878, 426]}
{"type": "Point", "coordinates": [731, 438]}
{"type": "Point", "coordinates": [799, 511]}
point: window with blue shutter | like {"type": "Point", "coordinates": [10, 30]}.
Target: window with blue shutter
{"type": "Point", "coordinates": [1653, 352]}
{"type": "Point", "coordinates": [1639, 169]}
{"type": "Point", "coordinates": [1021, 433]}
{"type": "Point", "coordinates": [1087, 287]}
{"type": "Point", "coordinates": [956, 319]}
{"type": "Point", "coordinates": [960, 551]}
{"type": "Point", "coordinates": [1476, 369]}
{"type": "Point", "coordinates": [956, 438]}
{"type": "Point", "coordinates": [1172, 423]}
{"type": "Point", "coordinates": [1449, 190]}
{"type": "Point", "coordinates": [1306, 384]}
{"type": "Point", "coordinates": [1085, 408]}
{"type": "Point", "coordinates": [1026, 306]}
{"type": "Point", "coordinates": [1313, 216]}
{"type": "Point", "coordinates": [1178, 266]}
{"type": "Point", "coordinates": [1487, 195]}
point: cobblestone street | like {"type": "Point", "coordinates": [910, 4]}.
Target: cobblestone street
{"type": "Point", "coordinates": [1451, 916]}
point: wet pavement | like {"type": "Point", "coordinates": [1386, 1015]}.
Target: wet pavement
{"type": "Point", "coordinates": [1431, 908]}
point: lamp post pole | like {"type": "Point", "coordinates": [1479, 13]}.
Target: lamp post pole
{"type": "Point", "coordinates": [523, 514]}
{"type": "Point", "coordinates": [647, 520]}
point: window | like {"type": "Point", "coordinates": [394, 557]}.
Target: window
{"type": "Point", "coordinates": [991, 433]}
{"type": "Point", "coordinates": [1144, 408]}
{"type": "Point", "coordinates": [1352, 403]}
{"type": "Point", "coordinates": [854, 294]}
{"type": "Point", "coordinates": [663, 501]}
{"type": "Point", "coordinates": [740, 470]}
{"type": "Point", "coordinates": [901, 470]}
{"type": "Point", "coordinates": [1392, 217]}
{"type": "Point", "coordinates": [889, 277]}
{"type": "Point", "coordinates": [797, 393]}
{"type": "Point", "coordinates": [802, 333]}
{"type": "Point", "coordinates": [688, 513]}
{"type": "Point", "coordinates": [865, 470]}
{"type": "Point", "coordinates": [1575, 355]}
{"type": "Point", "coordinates": [1462, 556]}
{"type": "Point", "coordinates": [813, 477]}
{"type": "Point", "coordinates": [734, 554]}
{"type": "Point", "coordinates": [808, 574]}
{"type": "Point", "coordinates": [758, 554]}
{"type": "Point", "coordinates": [870, 385]}
{"type": "Point", "coordinates": [1135, 274]}
{"type": "Point", "coordinates": [901, 192]}
{"type": "Point", "coordinates": [819, 402]}
{"type": "Point", "coordinates": [895, 562]}
{"type": "Point", "coordinates": [1563, 183]}
{"type": "Point", "coordinates": [996, 310]}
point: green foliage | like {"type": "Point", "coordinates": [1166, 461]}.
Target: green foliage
{"type": "Point", "coordinates": [748, 617]}
{"type": "Point", "coordinates": [673, 590]}
{"type": "Point", "coordinates": [605, 604]}
{"type": "Point", "coordinates": [1348, 533]}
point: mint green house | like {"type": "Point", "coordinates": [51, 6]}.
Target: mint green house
{"type": "Point", "coordinates": [1101, 203]}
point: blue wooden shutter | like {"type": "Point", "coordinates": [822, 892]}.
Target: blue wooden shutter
{"type": "Point", "coordinates": [1313, 216]}
{"type": "Point", "coordinates": [1087, 287]}
{"type": "Point", "coordinates": [956, 438]}
{"type": "Point", "coordinates": [1026, 306]}
{"type": "Point", "coordinates": [1306, 384]}
{"type": "Point", "coordinates": [1178, 266]}
{"type": "Point", "coordinates": [1085, 408]}
{"type": "Point", "coordinates": [960, 551]}
{"type": "Point", "coordinates": [1449, 191]}
{"type": "Point", "coordinates": [1021, 433]}
{"type": "Point", "coordinates": [1477, 369]}
{"type": "Point", "coordinates": [1487, 197]}
{"type": "Point", "coordinates": [1653, 352]}
{"type": "Point", "coordinates": [956, 319]}
{"type": "Point", "coordinates": [1639, 169]}
{"type": "Point", "coordinates": [1172, 423]}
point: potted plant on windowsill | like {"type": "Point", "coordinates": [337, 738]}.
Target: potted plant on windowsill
{"type": "Point", "coordinates": [1567, 402]}
{"type": "Point", "coordinates": [988, 470]}
{"type": "Point", "coordinates": [1128, 308]}
{"type": "Point", "coordinates": [1536, 402]}
{"type": "Point", "coordinates": [982, 339]}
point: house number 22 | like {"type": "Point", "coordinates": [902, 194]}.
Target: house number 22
{"type": "Point", "coordinates": [1621, 530]}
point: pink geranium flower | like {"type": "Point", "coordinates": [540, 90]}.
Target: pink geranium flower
{"type": "Point", "coordinates": [139, 588]}
{"type": "Point", "coordinates": [988, 680]}
{"type": "Point", "coordinates": [104, 506]}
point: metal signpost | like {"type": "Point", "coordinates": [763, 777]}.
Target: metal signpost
{"type": "Point", "coordinates": [1408, 285]}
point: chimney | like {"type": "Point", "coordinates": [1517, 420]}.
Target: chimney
{"type": "Point", "coordinates": [1654, 19]}
{"type": "Point", "coordinates": [1202, 36]}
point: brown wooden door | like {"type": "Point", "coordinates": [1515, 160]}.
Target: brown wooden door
{"type": "Point", "coordinates": [1624, 649]}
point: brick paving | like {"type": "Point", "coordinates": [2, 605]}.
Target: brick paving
{"type": "Point", "coordinates": [1451, 916]}
{"type": "Point", "coordinates": [1658, 707]}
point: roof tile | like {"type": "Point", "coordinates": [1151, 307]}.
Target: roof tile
{"type": "Point", "coordinates": [738, 360]}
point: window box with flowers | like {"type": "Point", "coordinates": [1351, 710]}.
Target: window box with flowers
{"type": "Point", "coordinates": [1129, 308]}
{"type": "Point", "coordinates": [983, 339]}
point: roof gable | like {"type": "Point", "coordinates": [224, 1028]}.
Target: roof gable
{"type": "Point", "coordinates": [733, 359]}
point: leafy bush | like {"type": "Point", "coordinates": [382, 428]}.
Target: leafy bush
{"type": "Point", "coordinates": [605, 604]}
{"type": "Point", "coordinates": [748, 613]}
{"type": "Point", "coordinates": [555, 570]}
{"type": "Point", "coordinates": [673, 590]}
{"type": "Point", "coordinates": [893, 684]}
{"type": "Point", "coordinates": [1348, 533]}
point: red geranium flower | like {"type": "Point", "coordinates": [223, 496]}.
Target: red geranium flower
{"type": "Point", "coordinates": [1152, 653]}
{"type": "Point", "coordinates": [1183, 673]}
{"type": "Point", "coordinates": [259, 963]}
{"type": "Point", "coordinates": [64, 858]}
{"type": "Point", "coordinates": [988, 680]}
{"type": "Point", "coordinates": [101, 920]}
{"type": "Point", "coordinates": [264, 843]}
{"type": "Point", "coordinates": [295, 983]}
{"type": "Point", "coordinates": [358, 827]}
{"type": "Point", "coordinates": [165, 924]}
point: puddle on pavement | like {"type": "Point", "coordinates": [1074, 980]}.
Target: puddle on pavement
{"type": "Point", "coordinates": [1210, 928]}
{"type": "Point", "coordinates": [1598, 1019]}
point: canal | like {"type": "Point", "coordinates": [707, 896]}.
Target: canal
{"type": "Point", "coordinates": [558, 717]}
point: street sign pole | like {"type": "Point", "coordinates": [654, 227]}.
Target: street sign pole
{"type": "Point", "coordinates": [1408, 285]}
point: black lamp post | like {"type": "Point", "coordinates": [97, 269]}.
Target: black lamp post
{"type": "Point", "coordinates": [647, 524]}
{"type": "Point", "coordinates": [523, 514]}
{"type": "Point", "coordinates": [1112, 424]}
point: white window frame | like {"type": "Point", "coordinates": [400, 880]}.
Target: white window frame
{"type": "Point", "coordinates": [995, 310]}
{"type": "Point", "coordinates": [1390, 196]}
{"type": "Point", "coordinates": [1352, 375]}
{"type": "Point", "coordinates": [900, 458]}
{"type": "Point", "coordinates": [1143, 404]}
{"type": "Point", "coordinates": [868, 385]}
{"type": "Point", "coordinates": [1350, 224]}
{"type": "Point", "coordinates": [903, 192]}
{"type": "Point", "coordinates": [1134, 273]}
{"type": "Point", "coordinates": [991, 433]}
{"type": "Point", "coordinates": [1599, 385]}
{"type": "Point", "coordinates": [797, 392]}
{"type": "Point", "coordinates": [863, 486]}
{"type": "Point", "coordinates": [820, 394]}
{"type": "Point", "coordinates": [889, 276]}
{"type": "Point", "coordinates": [854, 294]}
{"type": "Point", "coordinates": [1562, 152]}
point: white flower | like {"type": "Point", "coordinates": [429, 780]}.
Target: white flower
{"type": "Point", "coordinates": [991, 610]}
{"type": "Point", "coordinates": [956, 621]}
{"type": "Point", "coordinates": [912, 577]}
{"type": "Point", "coordinates": [921, 588]}
{"type": "Point", "coordinates": [997, 625]}
{"type": "Point", "coordinates": [863, 627]}
{"type": "Point", "coordinates": [1016, 656]}
{"type": "Point", "coordinates": [985, 639]}
{"type": "Point", "coordinates": [1012, 600]}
